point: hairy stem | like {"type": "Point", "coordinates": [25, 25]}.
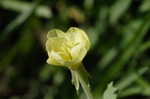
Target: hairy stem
{"type": "Point", "coordinates": [82, 77]}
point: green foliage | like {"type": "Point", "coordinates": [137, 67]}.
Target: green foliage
{"type": "Point", "coordinates": [118, 9]}
{"type": "Point", "coordinates": [118, 29]}
{"type": "Point", "coordinates": [110, 92]}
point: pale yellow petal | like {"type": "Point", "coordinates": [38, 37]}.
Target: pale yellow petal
{"type": "Point", "coordinates": [67, 49]}
{"type": "Point", "coordinates": [79, 36]}
{"type": "Point", "coordinates": [59, 45]}
{"type": "Point", "coordinates": [55, 33]}
{"type": "Point", "coordinates": [54, 58]}
{"type": "Point", "coordinates": [55, 44]}
{"type": "Point", "coordinates": [78, 53]}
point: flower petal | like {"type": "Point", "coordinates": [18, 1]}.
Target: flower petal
{"type": "Point", "coordinates": [78, 36]}
{"type": "Point", "coordinates": [54, 58]}
{"type": "Point", "coordinates": [55, 33]}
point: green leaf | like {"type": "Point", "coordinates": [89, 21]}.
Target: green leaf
{"type": "Point", "coordinates": [19, 20]}
{"type": "Point", "coordinates": [118, 9]}
{"type": "Point", "coordinates": [145, 6]}
{"type": "Point", "coordinates": [110, 92]}
{"type": "Point", "coordinates": [22, 6]}
{"type": "Point", "coordinates": [130, 78]}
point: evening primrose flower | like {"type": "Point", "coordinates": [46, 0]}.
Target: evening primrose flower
{"type": "Point", "coordinates": [67, 49]}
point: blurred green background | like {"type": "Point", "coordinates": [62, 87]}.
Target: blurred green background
{"type": "Point", "coordinates": [119, 31]}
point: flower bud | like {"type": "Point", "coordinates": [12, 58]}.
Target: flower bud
{"type": "Point", "coordinates": [67, 49]}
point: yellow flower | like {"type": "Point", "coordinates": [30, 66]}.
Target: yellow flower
{"type": "Point", "coordinates": [67, 49]}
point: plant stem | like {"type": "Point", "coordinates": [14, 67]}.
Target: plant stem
{"type": "Point", "coordinates": [83, 80]}
{"type": "Point", "coordinates": [85, 88]}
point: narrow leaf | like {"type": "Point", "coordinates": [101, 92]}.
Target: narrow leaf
{"type": "Point", "coordinates": [110, 92]}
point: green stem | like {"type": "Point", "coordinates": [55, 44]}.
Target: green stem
{"type": "Point", "coordinates": [82, 77]}
{"type": "Point", "coordinates": [85, 88]}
